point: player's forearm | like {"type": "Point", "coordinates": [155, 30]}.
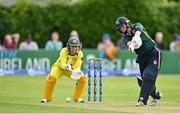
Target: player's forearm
{"type": "Point", "coordinates": [63, 66]}
{"type": "Point", "coordinates": [136, 42]}
{"type": "Point", "coordinates": [62, 62]}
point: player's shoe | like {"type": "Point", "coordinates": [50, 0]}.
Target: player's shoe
{"type": "Point", "coordinates": [44, 101]}
{"type": "Point", "coordinates": [140, 104]}
{"type": "Point", "coordinates": [80, 100]}
{"type": "Point", "coordinates": [155, 101]}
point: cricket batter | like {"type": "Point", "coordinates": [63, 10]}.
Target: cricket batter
{"type": "Point", "coordinates": [148, 58]}
{"type": "Point", "coordinates": [68, 64]}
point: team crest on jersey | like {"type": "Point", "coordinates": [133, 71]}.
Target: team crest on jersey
{"type": "Point", "coordinates": [155, 62]}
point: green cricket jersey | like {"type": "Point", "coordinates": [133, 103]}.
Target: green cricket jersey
{"type": "Point", "coordinates": [147, 42]}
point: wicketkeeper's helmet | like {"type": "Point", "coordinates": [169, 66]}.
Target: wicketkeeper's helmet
{"type": "Point", "coordinates": [73, 41]}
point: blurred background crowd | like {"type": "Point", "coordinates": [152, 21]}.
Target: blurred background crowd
{"type": "Point", "coordinates": [12, 41]}
{"type": "Point", "coordinates": [47, 24]}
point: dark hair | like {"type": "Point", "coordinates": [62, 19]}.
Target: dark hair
{"type": "Point", "coordinates": [29, 35]}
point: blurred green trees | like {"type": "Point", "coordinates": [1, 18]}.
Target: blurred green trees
{"type": "Point", "coordinates": [91, 18]}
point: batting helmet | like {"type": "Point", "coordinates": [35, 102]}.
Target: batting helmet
{"type": "Point", "coordinates": [121, 21]}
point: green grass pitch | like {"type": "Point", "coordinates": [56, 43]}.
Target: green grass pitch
{"type": "Point", "coordinates": [22, 94]}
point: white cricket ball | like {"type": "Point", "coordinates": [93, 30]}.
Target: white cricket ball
{"type": "Point", "coordinates": [68, 99]}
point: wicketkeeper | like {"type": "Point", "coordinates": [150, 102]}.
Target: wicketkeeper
{"type": "Point", "coordinates": [149, 58]}
{"type": "Point", "coordinates": [68, 64]}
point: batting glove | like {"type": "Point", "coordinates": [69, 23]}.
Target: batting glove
{"type": "Point", "coordinates": [131, 48]}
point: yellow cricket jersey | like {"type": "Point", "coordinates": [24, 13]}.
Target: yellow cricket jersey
{"type": "Point", "coordinates": [65, 57]}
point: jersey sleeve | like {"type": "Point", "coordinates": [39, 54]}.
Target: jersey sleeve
{"type": "Point", "coordinates": [62, 60]}
{"type": "Point", "coordinates": [78, 63]}
{"type": "Point", "coordinates": [138, 27]}
{"type": "Point", "coordinates": [125, 40]}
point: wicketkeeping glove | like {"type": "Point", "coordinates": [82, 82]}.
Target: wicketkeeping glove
{"type": "Point", "coordinates": [76, 74]}
{"type": "Point", "coordinates": [68, 67]}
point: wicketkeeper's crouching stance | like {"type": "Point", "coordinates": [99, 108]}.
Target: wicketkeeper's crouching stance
{"type": "Point", "coordinates": [68, 64]}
